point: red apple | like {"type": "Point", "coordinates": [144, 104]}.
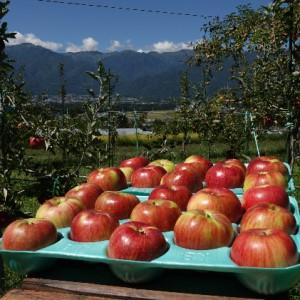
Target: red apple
{"type": "Point", "coordinates": [265, 193]}
{"type": "Point", "coordinates": [127, 171]}
{"type": "Point", "coordinates": [156, 212]}
{"type": "Point", "coordinates": [179, 194]}
{"type": "Point", "coordinates": [264, 248]}
{"type": "Point", "coordinates": [264, 178]}
{"type": "Point", "coordinates": [108, 179]}
{"type": "Point", "coordinates": [29, 234]}
{"type": "Point", "coordinates": [135, 162]}
{"type": "Point", "coordinates": [136, 241]}
{"type": "Point", "coordinates": [92, 226]}
{"type": "Point", "coordinates": [237, 163]}
{"type": "Point", "coordinates": [224, 174]}
{"type": "Point", "coordinates": [203, 229]}
{"type": "Point", "coordinates": [265, 164]}
{"type": "Point", "coordinates": [60, 210]}
{"type": "Point", "coordinates": [217, 199]}
{"type": "Point", "coordinates": [205, 163]}
{"type": "Point", "coordinates": [119, 205]}
{"type": "Point", "coordinates": [164, 163]}
{"type": "Point", "coordinates": [192, 167]}
{"type": "Point", "coordinates": [182, 178]}
{"type": "Point", "coordinates": [36, 142]}
{"type": "Point", "coordinates": [268, 215]}
{"type": "Point", "coordinates": [268, 121]}
{"type": "Point", "coordinates": [147, 177]}
{"type": "Point", "coordinates": [87, 193]}
{"type": "Point", "coordinates": [158, 169]}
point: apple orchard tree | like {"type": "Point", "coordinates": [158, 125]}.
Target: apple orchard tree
{"type": "Point", "coordinates": [264, 47]}
{"type": "Point", "coordinates": [13, 122]}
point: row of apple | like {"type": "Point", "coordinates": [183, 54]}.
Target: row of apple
{"type": "Point", "coordinates": [135, 240]}
{"type": "Point", "coordinates": [196, 229]}
{"type": "Point", "coordinates": [191, 173]}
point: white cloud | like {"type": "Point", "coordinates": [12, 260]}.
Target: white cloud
{"type": "Point", "coordinates": [31, 38]}
{"type": "Point", "coordinates": [167, 46]}
{"type": "Point", "coordinates": [117, 45]}
{"type": "Point", "coordinates": [88, 44]}
{"type": "Point", "coordinates": [114, 46]}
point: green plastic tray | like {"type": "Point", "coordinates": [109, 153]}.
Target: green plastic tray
{"type": "Point", "coordinates": [261, 280]}
{"type": "Point", "coordinates": [138, 191]}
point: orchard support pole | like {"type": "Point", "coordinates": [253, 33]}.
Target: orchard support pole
{"type": "Point", "coordinates": [253, 131]}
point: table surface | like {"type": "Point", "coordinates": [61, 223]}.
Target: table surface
{"type": "Point", "coordinates": [90, 281]}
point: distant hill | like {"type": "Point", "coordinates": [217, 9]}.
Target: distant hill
{"type": "Point", "coordinates": [152, 76]}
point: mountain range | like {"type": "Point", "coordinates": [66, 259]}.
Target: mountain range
{"type": "Point", "coordinates": [150, 76]}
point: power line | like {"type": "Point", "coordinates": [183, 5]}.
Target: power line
{"type": "Point", "coordinates": [153, 11]}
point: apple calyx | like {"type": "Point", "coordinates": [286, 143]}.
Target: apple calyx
{"type": "Point", "coordinates": [207, 215]}
{"type": "Point", "coordinates": [263, 233]}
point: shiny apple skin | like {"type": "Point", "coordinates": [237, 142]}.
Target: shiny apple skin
{"type": "Point", "coordinates": [135, 162]}
{"type": "Point", "coordinates": [29, 234]}
{"type": "Point", "coordinates": [218, 199]}
{"type": "Point", "coordinates": [264, 248]}
{"type": "Point", "coordinates": [205, 163]}
{"type": "Point", "coordinates": [268, 215]}
{"type": "Point", "coordinates": [168, 165]}
{"type": "Point", "coordinates": [162, 214]}
{"type": "Point", "coordinates": [60, 210]}
{"type": "Point", "coordinates": [92, 226]}
{"type": "Point", "coordinates": [118, 204]}
{"type": "Point", "coordinates": [136, 241]}
{"type": "Point", "coordinates": [147, 177]}
{"type": "Point", "coordinates": [158, 169]}
{"type": "Point", "coordinates": [182, 178]}
{"type": "Point", "coordinates": [266, 193]}
{"type": "Point", "coordinates": [224, 175]}
{"type": "Point", "coordinates": [87, 193]}
{"type": "Point", "coordinates": [266, 163]}
{"type": "Point", "coordinates": [192, 167]}
{"type": "Point", "coordinates": [108, 179]}
{"type": "Point", "coordinates": [203, 230]}
{"type": "Point", "coordinates": [36, 142]}
{"type": "Point", "coordinates": [264, 178]}
{"type": "Point", "coordinates": [236, 162]}
{"type": "Point", "coordinates": [179, 194]}
{"type": "Point", "coordinates": [127, 171]}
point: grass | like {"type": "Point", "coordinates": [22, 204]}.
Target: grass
{"type": "Point", "coordinates": [125, 148]}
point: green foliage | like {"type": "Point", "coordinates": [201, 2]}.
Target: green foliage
{"type": "Point", "coordinates": [77, 139]}
{"type": "Point", "coordinates": [102, 112]}
{"type": "Point", "coordinates": [184, 111]}
{"type": "Point", "coordinates": [268, 82]}
{"type": "Point", "coordinates": [13, 113]}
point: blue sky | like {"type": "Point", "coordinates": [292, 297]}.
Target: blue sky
{"type": "Point", "coordinates": [61, 27]}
